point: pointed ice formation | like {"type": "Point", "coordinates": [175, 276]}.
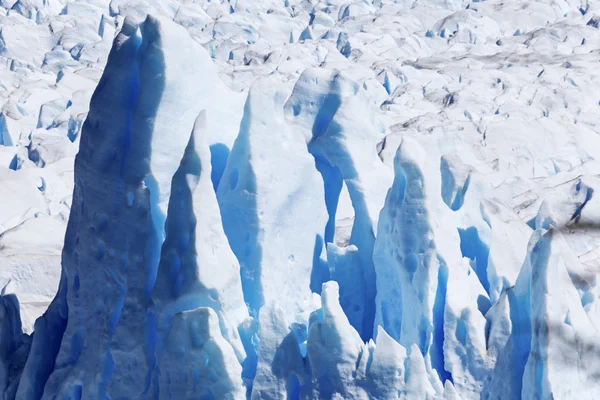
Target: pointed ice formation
{"type": "Point", "coordinates": [546, 337]}
{"type": "Point", "coordinates": [341, 129]}
{"type": "Point", "coordinates": [271, 199]}
{"type": "Point", "coordinates": [141, 184]}
{"type": "Point", "coordinates": [197, 268]}
{"type": "Point", "coordinates": [197, 362]}
{"type": "Point", "coordinates": [343, 366]}
{"type": "Point", "coordinates": [334, 346]}
{"type": "Point", "coordinates": [427, 293]}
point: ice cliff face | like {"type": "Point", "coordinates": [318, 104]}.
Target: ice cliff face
{"type": "Point", "coordinates": [148, 219]}
{"type": "Point", "coordinates": [324, 235]}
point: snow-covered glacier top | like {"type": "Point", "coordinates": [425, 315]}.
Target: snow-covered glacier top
{"type": "Point", "coordinates": [269, 199]}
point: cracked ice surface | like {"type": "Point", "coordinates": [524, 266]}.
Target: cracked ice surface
{"type": "Point", "coordinates": [299, 199]}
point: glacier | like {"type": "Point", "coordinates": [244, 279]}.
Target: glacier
{"type": "Point", "coordinates": [299, 199]}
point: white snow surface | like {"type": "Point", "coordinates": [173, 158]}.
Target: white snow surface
{"type": "Point", "coordinates": [299, 199]}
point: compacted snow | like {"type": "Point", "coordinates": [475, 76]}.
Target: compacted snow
{"type": "Point", "coordinates": [299, 199]}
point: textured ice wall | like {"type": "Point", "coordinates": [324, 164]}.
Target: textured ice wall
{"type": "Point", "coordinates": [144, 211]}
{"type": "Point", "coordinates": [168, 293]}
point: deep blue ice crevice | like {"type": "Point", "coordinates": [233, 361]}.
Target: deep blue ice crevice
{"type": "Point", "coordinates": [472, 247]}
{"type": "Point", "coordinates": [423, 284]}
{"type": "Point", "coordinates": [333, 181]}
{"type": "Point", "coordinates": [271, 199]}
{"type": "Point", "coordinates": [438, 334]}
{"type": "Point", "coordinates": [341, 130]}
{"type": "Point", "coordinates": [346, 270]}
{"type": "Point", "coordinates": [195, 247]}
{"type": "Point", "coordinates": [219, 153]}
{"type": "Point", "coordinates": [243, 239]}
{"type": "Point", "coordinates": [484, 237]}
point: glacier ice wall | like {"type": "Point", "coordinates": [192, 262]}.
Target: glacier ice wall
{"type": "Point", "coordinates": [427, 292]}
{"type": "Point", "coordinates": [204, 256]}
{"type": "Point", "coordinates": [271, 200]}
{"type": "Point", "coordinates": [144, 211]}
{"type": "Point", "coordinates": [340, 126]}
